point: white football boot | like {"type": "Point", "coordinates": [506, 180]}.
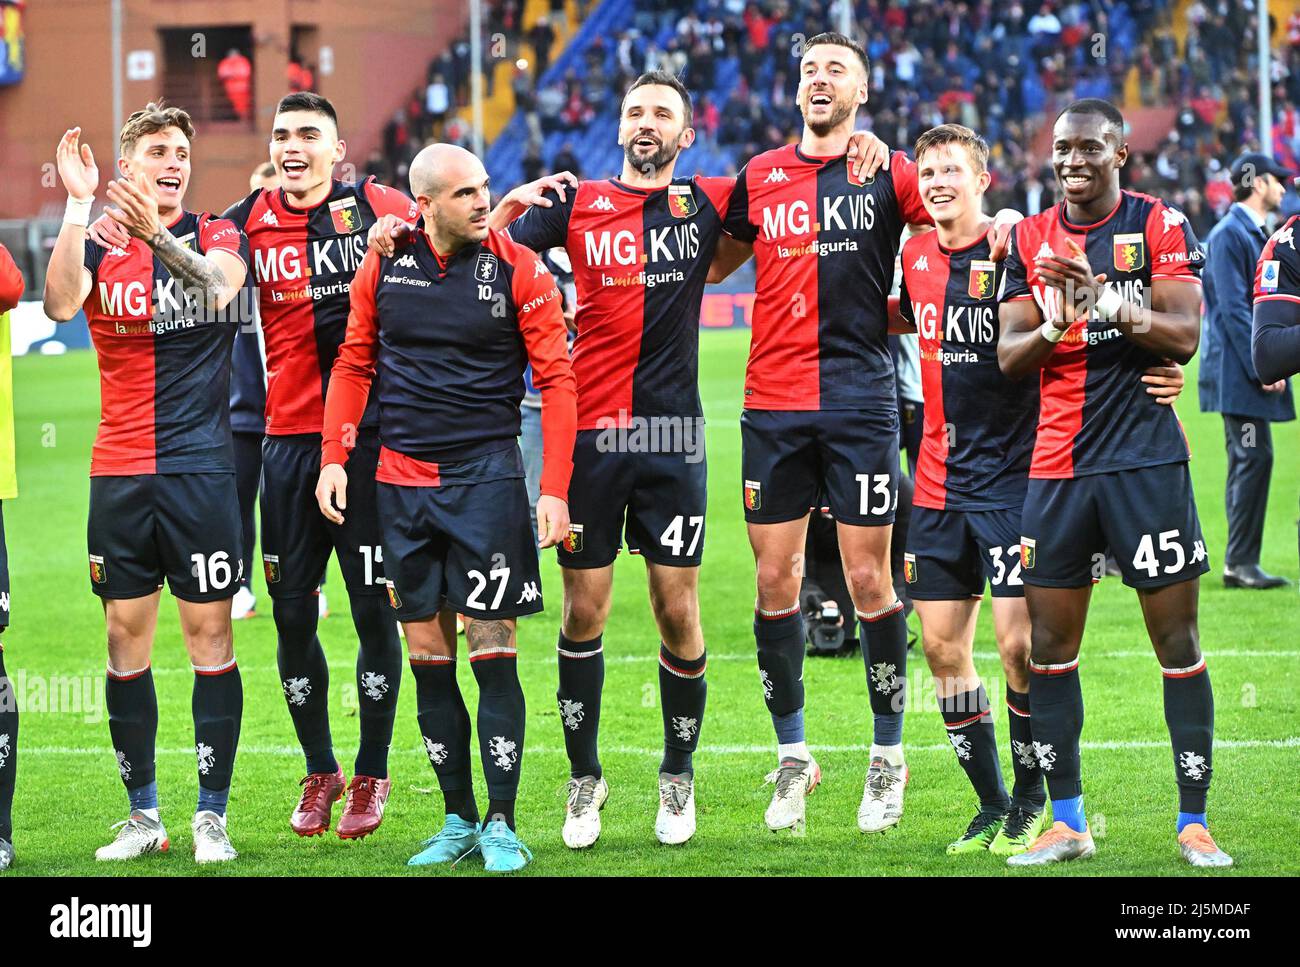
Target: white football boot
{"type": "Point", "coordinates": [675, 823]}
{"type": "Point", "coordinates": [586, 797]}
{"type": "Point", "coordinates": [136, 836]}
{"type": "Point", "coordinates": [882, 796]}
{"type": "Point", "coordinates": [243, 605]}
{"type": "Point", "coordinates": [211, 841]}
{"type": "Point", "coordinates": [795, 780]}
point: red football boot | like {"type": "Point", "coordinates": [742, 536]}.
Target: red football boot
{"type": "Point", "coordinates": [364, 809]}
{"type": "Point", "coordinates": [321, 790]}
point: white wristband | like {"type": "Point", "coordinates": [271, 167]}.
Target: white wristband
{"type": "Point", "coordinates": [78, 212]}
{"type": "Point", "coordinates": [1049, 332]}
{"type": "Point", "coordinates": [1107, 307]}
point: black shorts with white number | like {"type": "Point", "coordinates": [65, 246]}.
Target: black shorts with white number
{"type": "Point", "coordinates": [297, 539]}
{"type": "Point", "coordinates": [950, 554]}
{"type": "Point", "coordinates": [469, 546]}
{"type": "Point", "coordinates": [1147, 517]}
{"type": "Point", "coordinates": [789, 458]}
{"type": "Point", "coordinates": [623, 490]}
{"type": "Point", "coordinates": [181, 527]}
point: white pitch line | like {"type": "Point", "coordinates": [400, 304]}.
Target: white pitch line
{"type": "Point", "coordinates": [549, 659]}
{"type": "Point", "coordinates": [1292, 742]}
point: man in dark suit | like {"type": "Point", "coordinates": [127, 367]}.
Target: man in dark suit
{"type": "Point", "coordinates": [1229, 383]}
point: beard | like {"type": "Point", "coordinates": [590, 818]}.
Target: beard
{"type": "Point", "coordinates": [654, 163]}
{"type": "Point", "coordinates": [840, 111]}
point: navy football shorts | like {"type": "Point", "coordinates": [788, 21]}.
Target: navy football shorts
{"type": "Point", "coordinates": [466, 545]}
{"type": "Point", "coordinates": [1146, 516]}
{"type": "Point", "coordinates": [149, 527]}
{"type": "Point", "coordinates": [654, 501]}
{"type": "Point", "coordinates": [951, 553]}
{"type": "Point", "coordinates": [297, 539]}
{"type": "Point", "coordinates": [790, 458]}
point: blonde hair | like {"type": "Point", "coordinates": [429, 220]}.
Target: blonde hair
{"type": "Point", "coordinates": [975, 146]}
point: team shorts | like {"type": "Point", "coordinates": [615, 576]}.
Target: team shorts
{"type": "Point", "coordinates": [1147, 517]}
{"type": "Point", "coordinates": [654, 501]}
{"type": "Point", "coordinates": [950, 554]}
{"type": "Point", "coordinates": [849, 458]}
{"type": "Point", "coordinates": [469, 546]}
{"type": "Point", "coordinates": [297, 539]}
{"type": "Point", "coordinates": [183, 528]}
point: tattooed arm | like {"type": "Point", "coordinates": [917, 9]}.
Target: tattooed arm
{"type": "Point", "coordinates": [213, 279]}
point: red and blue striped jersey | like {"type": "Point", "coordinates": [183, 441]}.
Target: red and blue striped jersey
{"type": "Point", "coordinates": [164, 359]}
{"type": "Point", "coordinates": [640, 260]}
{"type": "Point", "coordinates": [1095, 414]}
{"type": "Point", "coordinates": [824, 251]}
{"type": "Point", "coordinates": [979, 425]}
{"type": "Point", "coordinates": [303, 263]}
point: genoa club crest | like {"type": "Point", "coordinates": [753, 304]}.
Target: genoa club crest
{"type": "Point", "coordinates": [271, 565]}
{"type": "Point", "coordinates": [485, 269]}
{"type": "Point", "coordinates": [753, 495]}
{"type": "Point", "coordinates": [1027, 548]}
{"type": "Point", "coordinates": [681, 202]}
{"type": "Point", "coordinates": [909, 568]}
{"type": "Point", "coordinates": [393, 598]}
{"type": "Point", "coordinates": [1130, 252]}
{"type": "Point", "coordinates": [345, 215]}
{"type": "Point", "coordinates": [980, 285]}
{"type": "Point", "coordinates": [97, 572]}
{"type": "Point", "coordinates": [572, 542]}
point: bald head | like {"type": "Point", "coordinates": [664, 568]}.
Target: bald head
{"type": "Point", "coordinates": [450, 186]}
{"type": "Point", "coordinates": [440, 165]}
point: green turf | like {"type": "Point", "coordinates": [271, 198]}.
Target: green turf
{"type": "Point", "coordinates": [69, 791]}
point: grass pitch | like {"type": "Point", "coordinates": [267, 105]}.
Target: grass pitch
{"type": "Point", "coordinates": [69, 792]}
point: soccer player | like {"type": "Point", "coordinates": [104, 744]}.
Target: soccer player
{"type": "Point", "coordinates": [1097, 289]}
{"type": "Point", "coordinates": [307, 239]}
{"type": "Point", "coordinates": [11, 290]}
{"type": "Point", "coordinates": [821, 414]}
{"type": "Point", "coordinates": [971, 478]}
{"type": "Point", "coordinates": [452, 499]}
{"type": "Point", "coordinates": [163, 310]}
{"type": "Point", "coordinates": [1275, 342]}
{"type": "Point", "coordinates": [640, 246]}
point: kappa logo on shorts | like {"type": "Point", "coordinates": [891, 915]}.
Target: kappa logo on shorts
{"type": "Point", "coordinates": [753, 495]}
{"type": "Point", "coordinates": [1027, 556]}
{"type": "Point", "coordinates": [97, 572]}
{"type": "Point", "coordinates": [573, 540]}
{"type": "Point", "coordinates": [271, 565]}
{"type": "Point", "coordinates": [909, 568]}
{"type": "Point", "coordinates": [393, 597]}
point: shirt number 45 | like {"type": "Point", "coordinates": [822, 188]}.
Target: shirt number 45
{"type": "Point", "coordinates": [1169, 541]}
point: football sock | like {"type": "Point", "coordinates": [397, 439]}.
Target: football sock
{"type": "Point", "coordinates": [970, 730]}
{"type": "Point", "coordinates": [1186, 819]}
{"type": "Point", "coordinates": [218, 706]}
{"type": "Point", "coordinates": [884, 650]}
{"type": "Point", "coordinates": [1027, 790]}
{"type": "Point", "coordinates": [794, 750]}
{"type": "Point", "coordinates": [500, 724]}
{"type": "Point", "coordinates": [789, 728]}
{"type": "Point", "coordinates": [379, 675]}
{"type": "Point", "coordinates": [144, 799]}
{"type": "Point", "coordinates": [779, 636]}
{"type": "Point", "coordinates": [305, 678]}
{"type": "Point", "coordinates": [502, 809]}
{"type": "Point", "coordinates": [133, 726]}
{"type": "Point", "coordinates": [444, 724]}
{"type": "Point", "coordinates": [682, 691]}
{"type": "Point", "coordinates": [582, 678]}
{"type": "Point", "coordinates": [1189, 714]}
{"type": "Point", "coordinates": [1056, 709]}
{"type": "Point", "coordinates": [8, 750]}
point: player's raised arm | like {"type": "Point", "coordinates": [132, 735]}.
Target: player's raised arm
{"type": "Point", "coordinates": [349, 388]}
{"type": "Point", "coordinates": [532, 195]}
{"type": "Point", "coordinates": [67, 280]}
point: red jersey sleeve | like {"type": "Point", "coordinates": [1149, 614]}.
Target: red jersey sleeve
{"type": "Point", "coordinates": [390, 201]}
{"type": "Point", "coordinates": [719, 192]}
{"type": "Point", "coordinates": [1175, 253]}
{"type": "Point", "coordinates": [222, 235]}
{"type": "Point", "coordinates": [11, 281]}
{"type": "Point", "coordinates": [540, 313]}
{"type": "Point", "coordinates": [354, 367]}
{"type": "Point", "coordinates": [903, 169]}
